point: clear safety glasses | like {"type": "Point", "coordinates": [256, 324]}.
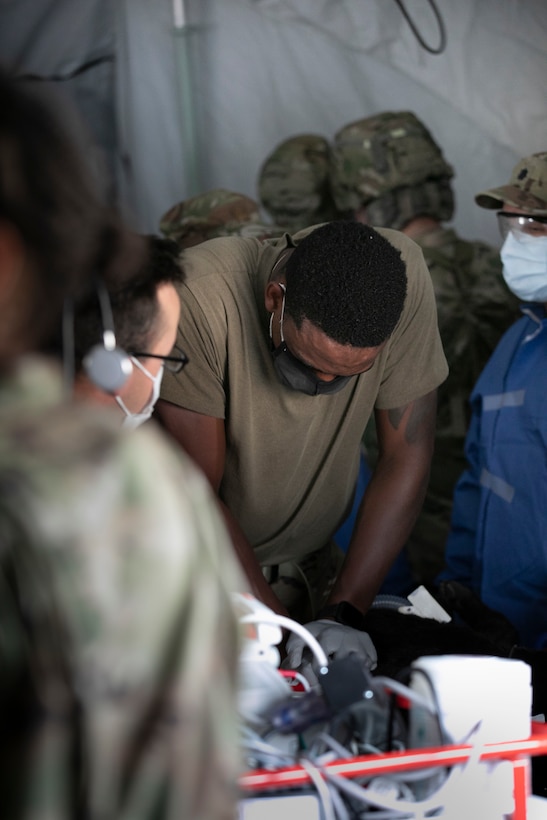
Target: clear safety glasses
{"type": "Point", "coordinates": [521, 226]}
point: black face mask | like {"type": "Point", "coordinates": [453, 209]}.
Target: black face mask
{"type": "Point", "coordinates": [295, 374]}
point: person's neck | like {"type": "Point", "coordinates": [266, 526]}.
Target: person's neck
{"type": "Point", "coordinates": [86, 391]}
{"type": "Point", "coordinates": [419, 226]}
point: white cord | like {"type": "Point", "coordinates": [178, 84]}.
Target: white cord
{"type": "Point", "coordinates": [339, 806]}
{"type": "Point", "coordinates": [406, 692]}
{"type": "Point", "coordinates": [415, 809]}
{"type": "Point", "coordinates": [255, 745]}
{"type": "Point", "coordinates": [400, 807]}
{"type": "Point", "coordinates": [287, 623]}
{"type": "Point", "coordinates": [334, 745]}
{"type": "Point", "coordinates": [322, 789]}
{"type": "Point", "coordinates": [301, 679]}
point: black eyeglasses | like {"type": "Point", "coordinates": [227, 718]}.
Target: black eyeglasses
{"type": "Point", "coordinates": [174, 364]}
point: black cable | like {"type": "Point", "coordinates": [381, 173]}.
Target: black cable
{"type": "Point", "coordinates": [391, 721]}
{"type": "Point", "coordinates": [303, 20]}
{"type": "Point", "coordinates": [440, 23]}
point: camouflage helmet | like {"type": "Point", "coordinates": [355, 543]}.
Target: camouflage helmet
{"type": "Point", "coordinates": [217, 212]}
{"type": "Point", "coordinates": [526, 189]}
{"type": "Point", "coordinates": [379, 154]}
{"type": "Point", "coordinates": [293, 182]}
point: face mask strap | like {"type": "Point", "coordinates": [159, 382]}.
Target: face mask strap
{"type": "Point", "coordinates": [282, 317]}
{"type": "Point", "coordinates": [120, 402]}
{"type": "Point", "coordinates": [142, 368]}
{"type": "Point", "coordinates": [151, 401]}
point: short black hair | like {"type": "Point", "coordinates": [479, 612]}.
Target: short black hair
{"type": "Point", "coordinates": [133, 300]}
{"type": "Point", "coordinates": [349, 281]}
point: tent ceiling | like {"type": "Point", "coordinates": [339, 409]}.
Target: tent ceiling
{"type": "Point", "coordinates": [202, 107]}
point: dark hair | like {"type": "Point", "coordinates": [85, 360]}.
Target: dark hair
{"type": "Point", "coordinates": [133, 300]}
{"type": "Point", "coordinates": [348, 280]}
{"type": "Point", "coordinates": [47, 195]}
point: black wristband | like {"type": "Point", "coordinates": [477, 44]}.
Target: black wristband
{"type": "Point", "coordinates": [343, 613]}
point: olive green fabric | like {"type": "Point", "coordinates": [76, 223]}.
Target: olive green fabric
{"type": "Point", "coordinates": [292, 459]}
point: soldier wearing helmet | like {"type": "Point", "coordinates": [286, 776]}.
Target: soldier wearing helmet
{"type": "Point", "coordinates": [388, 171]}
{"type": "Point", "coordinates": [293, 182]}
{"type": "Point", "coordinates": [217, 212]}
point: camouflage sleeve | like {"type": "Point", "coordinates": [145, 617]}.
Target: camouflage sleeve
{"type": "Point", "coordinates": [474, 306]}
{"type": "Point", "coordinates": [120, 650]}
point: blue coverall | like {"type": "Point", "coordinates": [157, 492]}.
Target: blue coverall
{"type": "Point", "coordinates": [498, 539]}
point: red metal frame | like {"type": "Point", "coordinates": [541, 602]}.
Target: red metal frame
{"type": "Point", "coordinates": [516, 751]}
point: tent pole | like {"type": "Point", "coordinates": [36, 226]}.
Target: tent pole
{"type": "Point", "coordinates": [191, 159]}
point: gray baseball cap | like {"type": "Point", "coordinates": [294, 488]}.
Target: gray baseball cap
{"type": "Point", "coordinates": [527, 188]}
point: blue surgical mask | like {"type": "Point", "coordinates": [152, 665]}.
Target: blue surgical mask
{"type": "Point", "coordinates": [295, 374]}
{"type": "Point", "coordinates": [525, 266]}
{"type": "Point", "coordinates": [133, 420]}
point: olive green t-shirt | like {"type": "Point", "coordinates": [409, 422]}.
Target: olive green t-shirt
{"type": "Point", "coordinates": [291, 459]}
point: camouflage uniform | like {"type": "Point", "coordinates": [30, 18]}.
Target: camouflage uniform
{"type": "Point", "coordinates": [215, 213]}
{"type": "Point", "coordinates": [293, 182]}
{"type": "Point", "coordinates": [118, 645]}
{"type": "Point", "coordinates": [390, 166]}
{"type": "Point", "coordinates": [474, 308]}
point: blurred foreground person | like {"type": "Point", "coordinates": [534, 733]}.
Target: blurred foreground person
{"type": "Point", "coordinates": [388, 171]}
{"type": "Point", "coordinates": [118, 646]}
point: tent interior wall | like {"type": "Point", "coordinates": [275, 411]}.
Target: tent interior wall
{"type": "Point", "coordinates": [181, 96]}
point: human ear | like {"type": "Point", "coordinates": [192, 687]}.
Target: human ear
{"type": "Point", "coordinates": [273, 296]}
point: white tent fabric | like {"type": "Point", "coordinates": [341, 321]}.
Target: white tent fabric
{"type": "Point", "coordinates": [179, 111]}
